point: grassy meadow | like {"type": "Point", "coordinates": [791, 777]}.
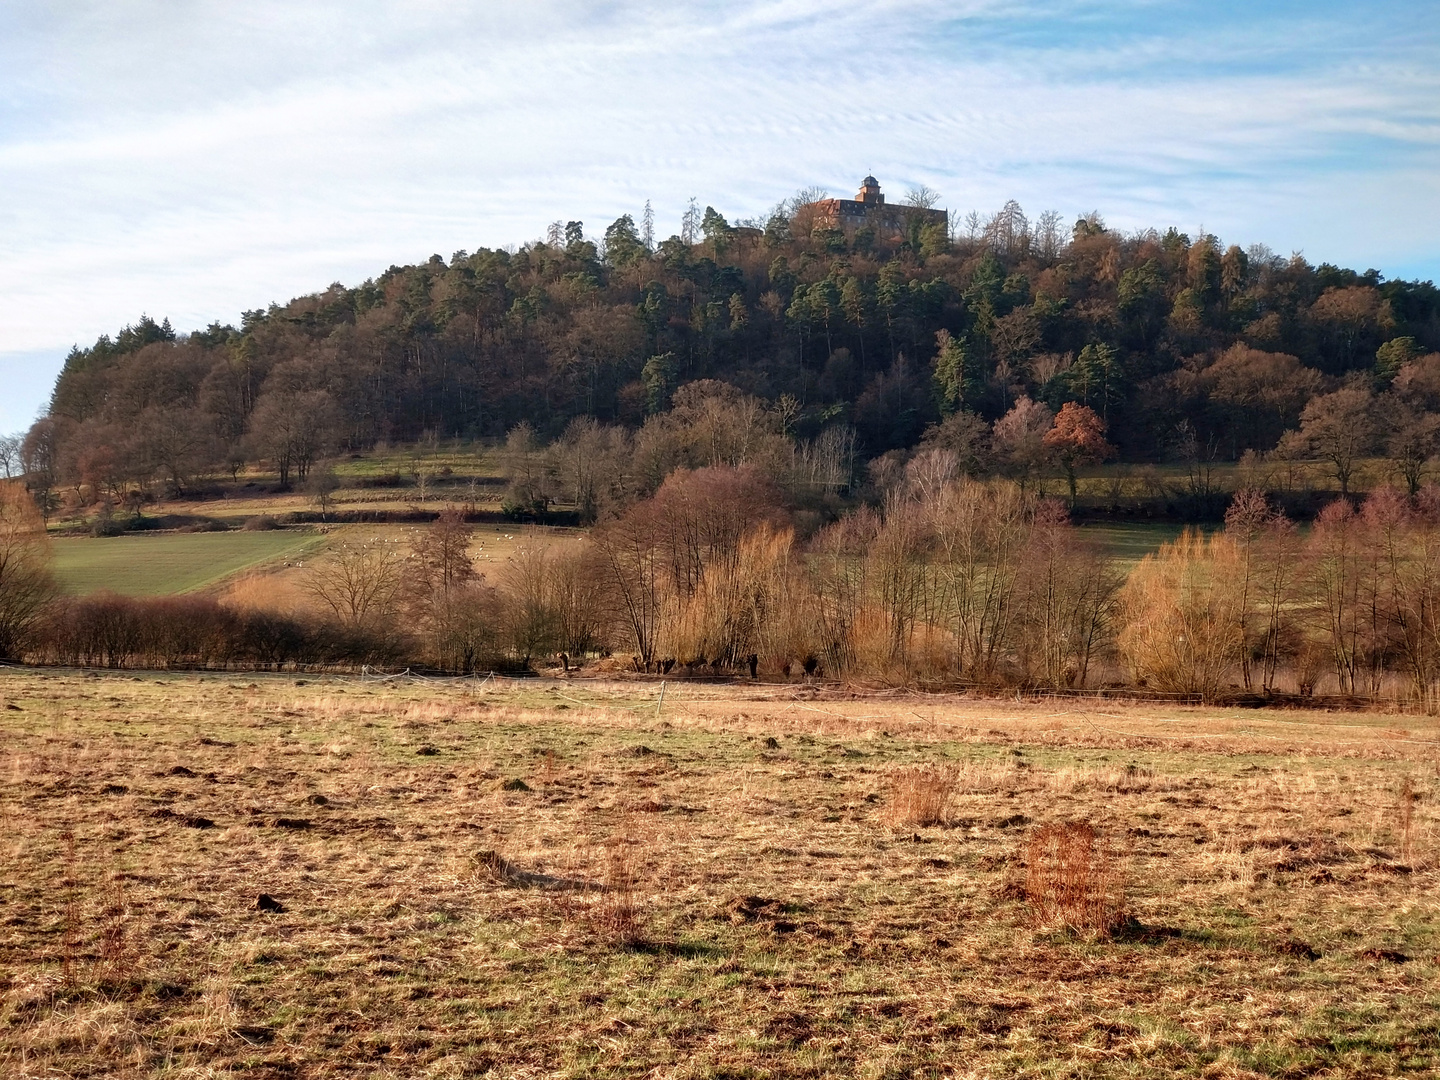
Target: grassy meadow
{"type": "Point", "coordinates": [166, 563]}
{"type": "Point", "coordinates": [547, 878]}
{"type": "Point", "coordinates": [1127, 542]}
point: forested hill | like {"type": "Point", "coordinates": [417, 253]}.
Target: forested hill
{"type": "Point", "coordinates": [1181, 345]}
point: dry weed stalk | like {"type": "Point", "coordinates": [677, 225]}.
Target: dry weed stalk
{"type": "Point", "coordinates": [70, 936]}
{"type": "Point", "coordinates": [617, 911]}
{"type": "Point", "coordinates": [1130, 779]}
{"type": "Point", "coordinates": [1406, 813]}
{"type": "Point", "coordinates": [921, 794]}
{"type": "Point", "coordinates": [115, 949]}
{"type": "Point", "coordinates": [1073, 879]}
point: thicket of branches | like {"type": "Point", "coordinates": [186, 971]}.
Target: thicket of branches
{"type": "Point", "coordinates": [1181, 346]}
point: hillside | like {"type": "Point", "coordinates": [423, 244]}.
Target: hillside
{"type": "Point", "coordinates": [1184, 347]}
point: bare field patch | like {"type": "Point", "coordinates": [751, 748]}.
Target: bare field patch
{"type": "Point", "coordinates": [277, 877]}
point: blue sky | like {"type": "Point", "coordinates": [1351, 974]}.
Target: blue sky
{"type": "Point", "coordinates": [195, 158]}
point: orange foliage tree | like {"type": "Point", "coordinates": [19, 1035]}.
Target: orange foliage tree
{"type": "Point", "coordinates": [1076, 439]}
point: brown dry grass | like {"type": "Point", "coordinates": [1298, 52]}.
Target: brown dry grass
{"type": "Point", "coordinates": [711, 889]}
{"type": "Point", "coordinates": [1073, 879]}
{"type": "Point", "coordinates": [921, 794]}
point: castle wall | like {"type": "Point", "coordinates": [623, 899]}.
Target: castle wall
{"type": "Point", "coordinates": [849, 215]}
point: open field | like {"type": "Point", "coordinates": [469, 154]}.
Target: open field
{"type": "Point", "coordinates": [547, 878]}
{"type": "Point", "coordinates": [168, 563]}
{"type": "Point", "coordinates": [162, 564]}
{"type": "Point", "coordinates": [1127, 542]}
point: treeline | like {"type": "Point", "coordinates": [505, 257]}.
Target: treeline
{"type": "Point", "coordinates": [1184, 347]}
{"type": "Point", "coordinates": [950, 582]}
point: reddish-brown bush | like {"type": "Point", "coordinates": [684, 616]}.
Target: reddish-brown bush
{"type": "Point", "coordinates": [1073, 879]}
{"type": "Point", "coordinates": [111, 631]}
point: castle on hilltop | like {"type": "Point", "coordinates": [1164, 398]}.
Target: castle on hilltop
{"type": "Point", "coordinates": [869, 208]}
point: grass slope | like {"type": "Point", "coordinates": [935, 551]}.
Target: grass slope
{"type": "Point", "coordinates": [169, 562]}
{"type": "Point", "coordinates": [441, 919]}
{"type": "Point", "coordinates": [1127, 542]}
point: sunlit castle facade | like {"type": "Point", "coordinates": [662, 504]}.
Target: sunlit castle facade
{"type": "Point", "coordinates": [869, 208]}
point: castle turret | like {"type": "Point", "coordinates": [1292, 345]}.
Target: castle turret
{"type": "Point", "coordinates": [870, 192]}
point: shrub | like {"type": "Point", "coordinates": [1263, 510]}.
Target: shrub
{"type": "Point", "coordinates": [1073, 880]}
{"type": "Point", "coordinates": [261, 523]}
{"type": "Point", "coordinates": [1182, 613]}
{"type": "Point", "coordinates": [106, 630]}
{"type": "Point", "coordinates": [107, 525]}
{"type": "Point", "coordinates": [921, 794]}
{"type": "Point", "coordinates": [384, 480]}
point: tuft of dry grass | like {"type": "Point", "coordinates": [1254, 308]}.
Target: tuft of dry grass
{"type": "Point", "coordinates": [921, 795]}
{"type": "Point", "coordinates": [1073, 879]}
{"type": "Point", "coordinates": [617, 910]}
{"type": "Point", "coordinates": [1131, 779]}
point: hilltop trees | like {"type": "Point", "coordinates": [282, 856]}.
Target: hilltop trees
{"type": "Point", "coordinates": [1164, 337]}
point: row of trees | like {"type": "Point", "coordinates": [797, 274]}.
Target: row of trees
{"type": "Point", "coordinates": [1357, 600]}
{"type": "Point", "coordinates": [1181, 345]}
{"type": "Point", "coordinates": [603, 469]}
{"type": "Point", "coordinates": [950, 581]}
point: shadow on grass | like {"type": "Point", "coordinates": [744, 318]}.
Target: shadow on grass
{"type": "Point", "coordinates": [685, 950]}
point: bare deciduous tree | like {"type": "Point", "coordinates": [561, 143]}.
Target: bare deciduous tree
{"type": "Point", "coordinates": [293, 429]}
{"type": "Point", "coordinates": [1339, 428]}
{"type": "Point", "coordinates": [10, 455]}
{"type": "Point", "coordinates": [360, 582]}
{"type": "Point", "coordinates": [25, 582]}
{"type": "Point", "coordinates": [439, 567]}
{"type": "Point", "coordinates": [1018, 438]}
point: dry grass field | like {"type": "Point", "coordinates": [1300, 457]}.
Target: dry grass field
{"type": "Point", "coordinates": [572, 879]}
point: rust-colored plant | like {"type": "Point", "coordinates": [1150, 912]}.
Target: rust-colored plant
{"type": "Point", "coordinates": [116, 951]}
{"type": "Point", "coordinates": [1073, 879]}
{"type": "Point", "coordinates": [618, 910]}
{"type": "Point", "coordinates": [921, 794]}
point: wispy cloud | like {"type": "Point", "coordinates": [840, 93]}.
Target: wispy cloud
{"type": "Point", "coordinates": [195, 159]}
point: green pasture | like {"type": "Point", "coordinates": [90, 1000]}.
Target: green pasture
{"type": "Point", "coordinates": [464, 460]}
{"type": "Point", "coordinates": [1128, 542]}
{"type": "Point", "coordinates": [169, 562]}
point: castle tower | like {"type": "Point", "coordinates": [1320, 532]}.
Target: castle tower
{"type": "Point", "coordinates": [869, 193]}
